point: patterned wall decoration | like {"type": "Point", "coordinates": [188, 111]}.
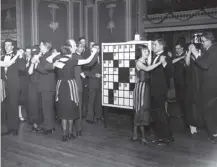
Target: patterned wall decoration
{"type": "Point", "coordinates": [111, 20]}
{"type": "Point", "coordinates": [8, 24]}
{"type": "Point", "coordinates": [53, 22]}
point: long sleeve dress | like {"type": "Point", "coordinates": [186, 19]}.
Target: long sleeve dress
{"type": "Point", "coordinates": [142, 99]}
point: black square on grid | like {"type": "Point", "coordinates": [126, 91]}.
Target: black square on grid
{"type": "Point", "coordinates": [116, 85]}
{"type": "Point", "coordinates": [132, 86]}
{"type": "Point", "coordinates": [111, 96]}
{"type": "Point", "coordinates": [132, 64]}
{"type": "Point", "coordinates": [123, 75]}
{"type": "Point", "coordinates": [108, 56]}
{"type": "Point", "coordinates": [115, 63]}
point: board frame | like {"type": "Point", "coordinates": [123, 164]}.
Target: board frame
{"type": "Point", "coordinates": [149, 43]}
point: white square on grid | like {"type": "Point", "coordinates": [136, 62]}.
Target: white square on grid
{"type": "Point", "coordinates": [121, 48]}
{"type": "Point", "coordinates": [111, 70]}
{"type": "Point", "coordinates": [121, 93]}
{"type": "Point", "coordinates": [132, 48]}
{"type": "Point", "coordinates": [115, 78]}
{"type": "Point", "coordinates": [126, 55]}
{"type": "Point", "coordinates": [121, 63]}
{"type": "Point", "coordinates": [115, 48]}
{"type": "Point", "coordinates": [105, 92]}
{"type": "Point", "coordinates": [131, 94]}
{"type": "Point", "coordinates": [105, 99]}
{"type": "Point", "coordinates": [126, 94]}
{"type": "Point", "coordinates": [105, 48]}
{"type": "Point", "coordinates": [105, 70]}
{"type": "Point", "coordinates": [116, 100]}
{"type": "Point", "coordinates": [111, 48]}
{"type": "Point", "coordinates": [116, 93]}
{"type": "Point", "coordinates": [115, 55]}
{"type": "Point", "coordinates": [106, 77]}
{"type": "Point", "coordinates": [121, 56]}
{"type": "Point", "coordinates": [131, 102]}
{"type": "Point", "coordinates": [127, 102]}
{"type": "Point", "coordinates": [121, 86]}
{"type": "Point", "coordinates": [105, 85]}
{"type": "Point", "coordinates": [132, 79]}
{"type": "Point", "coordinates": [110, 63]}
{"type": "Point", "coordinates": [111, 78]}
{"type": "Point", "coordinates": [115, 70]}
{"type": "Point", "coordinates": [121, 101]}
{"type": "Point", "coordinates": [126, 63]}
{"type": "Point", "coordinates": [126, 86]}
{"type": "Point", "coordinates": [132, 71]}
{"type": "Point", "coordinates": [111, 85]}
{"type": "Point", "coordinates": [126, 48]}
{"type": "Point", "coordinates": [132, 55]}
{"type": "Point", "coordinates": [105, 63]}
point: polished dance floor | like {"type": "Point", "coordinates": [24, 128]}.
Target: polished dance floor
{"type": "Point", "coordinates": [100, 147]}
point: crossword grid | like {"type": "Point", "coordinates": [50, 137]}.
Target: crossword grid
{"type": "Point", "coordinates": [118, 74]}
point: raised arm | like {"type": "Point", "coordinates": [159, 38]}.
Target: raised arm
{"type": "Point", "coordinates": [88, 60]}
{"type": "Point", "coordinates": [141, 66]}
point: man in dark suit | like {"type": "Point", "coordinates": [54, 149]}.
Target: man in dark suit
{"type": "Point", "coordinates": [85, 54]}
{"type": "Point", "coordinates": [46, 86]}
{"type": "Point", "coordinates": [179, 76]}
{"type": "Point", "coordinates": [159, 88]}
{"type": "Point", "coordinates": [10, 76]}
{"type": "Point", "coordinates": [94, 113]}
{"type": "Point", "coordinates": [208, 62]}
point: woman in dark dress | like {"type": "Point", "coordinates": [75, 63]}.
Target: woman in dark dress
{"type": "Point", "coordinates": [24, 84]}
{"type": "Point", "coordinates": [141, 92]}
{"type": "Point", "coordinates": [35, 113]}
{"type": "Point", "coordinates": [66, 89]}
{"type": "Point", "coordinates": [193, 96]}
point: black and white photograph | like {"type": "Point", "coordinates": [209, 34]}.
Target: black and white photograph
{"type": "Point", "coordinates": [108, 83]}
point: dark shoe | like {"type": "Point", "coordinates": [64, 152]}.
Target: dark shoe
{"type": "Point", "coordinates": [64, 138]}
{"type": "Point", "coordinates": [48, 131]}
{"type": "Point", "coordinates": [90, 122]}
{"type": "Point", "coordinates": [134, 139]}
{"type": "Point", "coordinates": [144, 141]}
{"type": "Point", "coordinates": [162, 143]}
{"type": "Point", "coordinates": [213, 139]}
{"type": "Point", "coordinates": [71, 136]}
{"type": "Point", "coordinates": [156, 140]}
{"type": "Point", "coordinates": [34, 129]}
{"type": "Point", "coordinates": [170, 141]}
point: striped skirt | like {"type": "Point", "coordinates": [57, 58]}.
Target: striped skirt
{"type": "Point", "coordinates": [141, 103]}
{"type": "Point", "coordinates": [67, 99]}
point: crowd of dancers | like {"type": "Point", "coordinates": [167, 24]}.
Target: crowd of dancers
{"type": "Point", "coordinates": [68, 81]}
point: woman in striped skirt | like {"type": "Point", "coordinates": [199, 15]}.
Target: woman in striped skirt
{"type": "Point", "coordinates": [141, 92]}
{"type": "Point", "coordinates": [66, 89]}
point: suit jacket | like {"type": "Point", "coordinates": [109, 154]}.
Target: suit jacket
{"type": "Point", "coordinates": [12, 77]}
{"type": "Point", "coordinates": [85, 55]}
{"type": "Point", "coordinates": [47, 80]}
{"type": "Point", "coordinates": [94, 68]}
{"type": "Point", "coordinates": [208, 62]}
{"type": "Point", "coordinates": [179, 70]}
{"type": "Point", "coordinates": [160, 76]}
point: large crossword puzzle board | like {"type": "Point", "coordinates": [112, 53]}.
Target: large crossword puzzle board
{"type": "Point", "coordinates": [118, 73]}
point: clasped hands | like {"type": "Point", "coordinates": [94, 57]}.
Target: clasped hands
{"type": "Point", "coordinates": [192, 49]}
